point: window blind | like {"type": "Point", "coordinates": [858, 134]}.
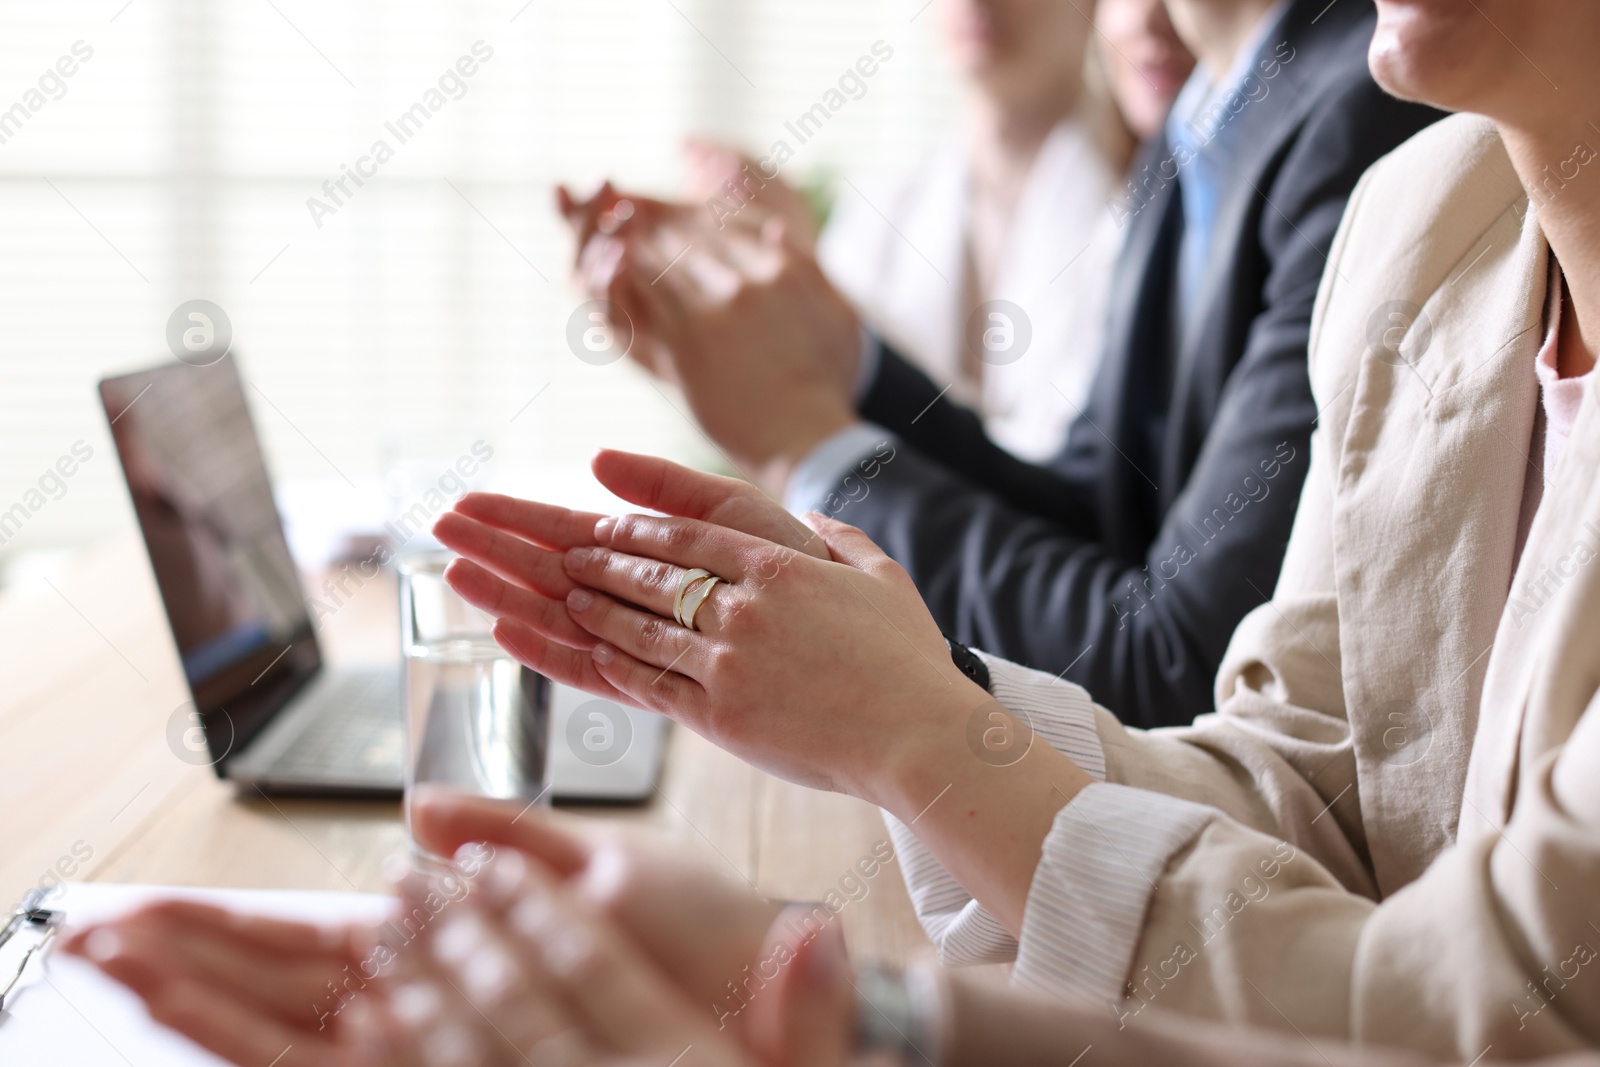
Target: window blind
{"type": "Point", "coordinates": [204, 149]}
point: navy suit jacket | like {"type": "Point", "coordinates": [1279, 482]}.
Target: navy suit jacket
{"type": "Point", "coordinates": [1125, 562]}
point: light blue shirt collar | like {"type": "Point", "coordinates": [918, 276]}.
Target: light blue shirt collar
{"type": "Point", "coordinates": [1195, 119]}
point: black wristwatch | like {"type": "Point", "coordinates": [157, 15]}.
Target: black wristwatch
{"type": "Point", "coordinates": [967, 662]}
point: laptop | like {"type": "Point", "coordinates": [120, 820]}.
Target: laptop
{"type": "Point", "coordinates": [270, 713]}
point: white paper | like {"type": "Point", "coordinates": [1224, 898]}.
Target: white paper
{"type": "Point", "coordinates": [65, 1013]}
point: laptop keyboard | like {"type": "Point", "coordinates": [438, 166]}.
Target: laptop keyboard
{"type": "Point", "coordinates": [354, 729]}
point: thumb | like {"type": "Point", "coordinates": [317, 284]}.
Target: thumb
{"type": "Point", "coordinates": [443, 820]}
{"type": "Point", "coordinates": [664, 486]}
{"type": "Point", "coordinates": [808, 1019]}
{"type": "Point", "coordinates": [661, 485]}
{"type": "Point", "coordinates": [849, 545]}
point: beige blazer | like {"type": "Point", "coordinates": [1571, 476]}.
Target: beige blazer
{"type": "Point", "coordinates": [1418, 722]}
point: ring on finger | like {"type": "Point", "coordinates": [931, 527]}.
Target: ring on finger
{"type": "Point", "coordinates": [690, 578]}
{"type": "Point", "coordinates": [693, 589]}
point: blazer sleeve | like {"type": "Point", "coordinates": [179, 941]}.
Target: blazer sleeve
{"type": "Point", "coordinates": [1037, 583]}
{"type": "Point", "coordinates": [1004, 552]}
{"type": "Point", "coordinates": [1494, 946]}
{"type": "Point", "coordinates": [901, 398]}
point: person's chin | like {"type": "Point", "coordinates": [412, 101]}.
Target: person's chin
{"type": "Point", "coordinates": [974, 45]}
{"type": "Point", "coordinates": [1418, 47]}
{"type": "Point", "coordinates": [1144, 111]}
{"type": "Point", "coordinates": [982, 59]}
{"type": "Point", "coordinates": [1165, 79]}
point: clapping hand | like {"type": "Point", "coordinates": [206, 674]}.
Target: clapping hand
{"type": "Point", "coordinates": [740, 316]}
{"type": "Point", "coordinates": [564, 950]}
{"type": "Point", "coordinates": [528, 970]}
{"type": "Point", "coordinates": [813, 657]}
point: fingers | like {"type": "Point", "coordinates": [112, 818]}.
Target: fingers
{"type": "Point", "coordinates": [557, 662]}
{"type": "Point", "coordinates": [574, 208]}
{"type": "Point", "coordinates": [236, 1033]}
{"type": "Point", "coordinates": [481, 964]}
{"type": "Point", "coordinates": [660, 317]}
{"type": "Point", "coordinates": [589, 217]}
{"type": "Point", "coordinates": [659, 642]}
{"type": "Point", "coordinates": [650, 687]}
{"type": "Point", "coordinates": [646, 583]}
{"type": "Point", "coordinates": [603, 978]}
{"type": "Point", "coordinates": [613, 215]}
{"type": "Point", "coordinates": [459, 994]}
{"type": "Point", "coordinates": [260, 931]}
{"type": "Point", "coordinates": [711, 163]}
{"type": "Point", "coordinates": [752, 255]}
{"type": "Point", "coordinates": [546, 525]}
{"type": "Point", "coordinates": [664, 486]}
{"type": "Point", "coordinates": [424, 1020]}
{"type": "Point", "coordinates": [242, 1011]}
{"type": "Point", "coordinates": [805, 1018]}
{"type": "Point", "coordinates": [130, 955]}
{"type": "Point", "coordinates": [599, 265]}
{"type": "Point", "coordinates": [686, 265]}
{"type": "Point", "coordinates": [278, 968]}
{"type": "Point", "coordinates": [506, 555]}
{"type": "Point", "coordinates": [685, 542]}
{"type": "Point", "coordinates": [443, 821]}
{"type": "Point", "coordinates": [849, 545]}
{"type": "Point", "coordinates": [490, 593]}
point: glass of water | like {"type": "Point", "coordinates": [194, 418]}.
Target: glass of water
{"type": "Point", "coordinates": [477, 721]}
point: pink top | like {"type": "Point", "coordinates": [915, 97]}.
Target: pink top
{"type": "Point", "coordinates": [1561, 397]}
{"type": "Point", "coordinates": [1559, 400]}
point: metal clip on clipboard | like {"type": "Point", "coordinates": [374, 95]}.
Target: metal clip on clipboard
{"type": "Point", "coordinates": [30, 915]}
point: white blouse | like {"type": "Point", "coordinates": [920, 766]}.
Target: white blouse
{"type": "Point", "coordinates": [897, 249]}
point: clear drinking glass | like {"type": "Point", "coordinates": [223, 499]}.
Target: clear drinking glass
{"type": "Point", "coordinates": [477, 721]}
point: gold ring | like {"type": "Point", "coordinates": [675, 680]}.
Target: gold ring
{"type": "Point", "coordinates": [690, 577]}
{"type": "Point", "coordinates": [694, 598]}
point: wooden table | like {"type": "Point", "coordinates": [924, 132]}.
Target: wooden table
{"type": "Point", "coordinates": [92, 790]}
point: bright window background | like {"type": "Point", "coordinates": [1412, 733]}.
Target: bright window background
{"type": "Point", "coordinates": [431, 308]}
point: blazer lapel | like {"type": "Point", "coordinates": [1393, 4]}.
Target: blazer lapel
{"type": "Point", "coordinates": [1419, 616]}
{"type": "Point", "coordinates": [1544, 655]}
{"type": "Point", "coordinates": [1137, 331]}
{"type": "Point", "coordinates": [1566, 672]}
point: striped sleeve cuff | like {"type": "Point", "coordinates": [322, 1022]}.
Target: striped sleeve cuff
{"type": "Point", "coordinates": [1086, 907]}
{"type": "Point", "coordinates": [1062, 714]}
{"type": "Point", "coordinates": [957, 925]}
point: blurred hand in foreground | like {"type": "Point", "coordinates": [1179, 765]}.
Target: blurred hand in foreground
{"type": "Point", "coordinates": [552, 946]}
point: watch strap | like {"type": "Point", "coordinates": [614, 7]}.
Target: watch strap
{"type": "Point", "coordinates": [968, 663]}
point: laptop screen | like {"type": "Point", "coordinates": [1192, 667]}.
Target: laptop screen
{"type": "Point", "coordinates": [204, 502]}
